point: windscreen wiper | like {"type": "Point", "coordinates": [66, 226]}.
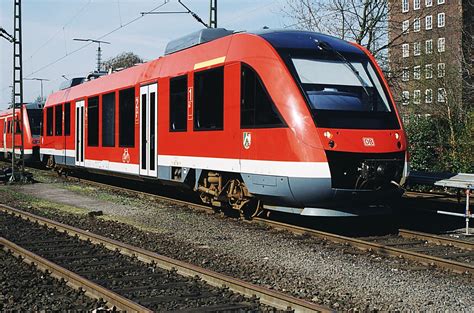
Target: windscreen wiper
{"type": "Point", "coordinates": [327, 47]}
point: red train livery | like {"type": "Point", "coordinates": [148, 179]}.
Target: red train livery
{"type": "Point", "coordinates": [286, 120]}
{"type": "Point", "coordinates": [32, 117]}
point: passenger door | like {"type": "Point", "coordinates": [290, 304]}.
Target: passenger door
{"type": "Point", "coordinates": [148, 130]}
{"type": "Point", "coordinates": [79, 133]}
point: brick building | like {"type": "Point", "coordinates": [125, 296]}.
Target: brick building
{"type": "Point", "coordinates": [431, 56]}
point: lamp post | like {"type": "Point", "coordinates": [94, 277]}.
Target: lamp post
{"type": "Point", "coordinates": [99, 51]}
{"type": "Point", "coordinates": [41, 80]}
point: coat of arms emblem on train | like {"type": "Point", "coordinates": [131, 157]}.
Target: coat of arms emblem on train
{"type": "Point", "coordinates": [125, 156]}
{"type": "Point", "coordinates": [247, 140]}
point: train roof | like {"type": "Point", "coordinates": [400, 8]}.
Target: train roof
{"type": "Point", "coordinates": [196, 38]}
{"type": "Point", "coordinates": [299, 39]}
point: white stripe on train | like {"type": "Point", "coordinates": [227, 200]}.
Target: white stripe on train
{"type": "Point", "coordinates": [260, 167]}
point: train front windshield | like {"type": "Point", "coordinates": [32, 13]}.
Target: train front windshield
{"type": "Point", "coordinates": [35, 117]}
{"type": "Point", "coordinates": [343, 95]}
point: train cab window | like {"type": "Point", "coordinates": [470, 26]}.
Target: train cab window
{"type": "Point", "coordinates": [67, 119]}
{"type": "Point", "coordinates": [108, 120]}
{"type": "Point", "coordinates": [257, 109]}
{"type": "Point", "coordinates": [58, 120]}
{"type": "Point", "coordinates": [127, 117]}
{"type": "Point", "coordinates": [93, 122]}
{"type": "Point", "coordinates": [209, 99]}
{"type": "Point", "coordinates": [18, 127]}
{"type": "Point", "coordinates": [35, 118]}
{"type": "Point", "coordinates": [49, 121]}
{"type": "Point", "coordinates": [9, 128]}
{"type": "Point", "coordinates": [178, 103]}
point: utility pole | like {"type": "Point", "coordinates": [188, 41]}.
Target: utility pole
{"type": "Point", "coordinates": [17, 94]}
{"type": "Point", "coordinates": [41, 80]}
{"type": "Point", "coordinates": [213, 14]}
{"type": "Point", "coordinates": [99, 51]}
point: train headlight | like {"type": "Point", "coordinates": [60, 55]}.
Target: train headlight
{"type": "Point", "coordinates": [328, 134]}
{"type": "Point", "coordinates": [397, 136]}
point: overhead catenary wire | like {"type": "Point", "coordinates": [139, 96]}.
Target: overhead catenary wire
{"type": "Point", "coordinates": [98, 38]}
{"type": "Point", "coordinates": [69, 21]}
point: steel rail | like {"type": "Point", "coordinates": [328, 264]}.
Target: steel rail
{"type": "Point", "coordinates": [358, 243]}
{"type": "Point", "coordinates": [405, 233]}
{"type": "Point", "coordinates": [267, 296]}
{"type": "Point", "coordinates": [73, 280]}
{"type": "Point", "coordinates": [379, 248]}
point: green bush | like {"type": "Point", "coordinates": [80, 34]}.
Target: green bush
{"type": "Point", "coordinates": [433, 149]}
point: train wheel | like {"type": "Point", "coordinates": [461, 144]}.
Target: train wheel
{"type": "Point", "coordinates": [251, 209]}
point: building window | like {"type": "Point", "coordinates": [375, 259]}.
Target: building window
{"type": "Point", "coordinates": [178, 103]}
{"type": "Point", "coordinates": [428, 96]}
{"type": "Point", "coordinates": [417, 72]}
{"type": "Point", "coordinates": [406, 74]}
{"type": "Point", "coordinates": [58, 120]}
{"type": "Point", "coordinates": [441, 70]}
{"type": "Point", "coordinates": [429, 46]}
{"type": "Point", "coordinates": [405, 26]}
{"type": "Point", "coordinates": [209, 99]}
{"type": "Point", "coordinates": [257, 109]}
{"type": "Point", "coordinates": [428, 71]}
{"type": "Point", "coordinates": [416, 25]}
{"type": "Point", "coordinates": [416, 96]}
{"type": "Point", "coordinates": [416, 48]}
{"type": "Point", "coordinates": [416, 4]}
{"type": "Point", "coordinates": [67, 119]}
{"type": "Point", "coordinates": [405, 6]}
{"type": "Point", "coordinates": [441, 1]}
{"type": "Point", "coordinates": [441, 19]}
{"type": "Point", "coordinates": [405, 97]}
{"type": "Point", "coordinates": [429, 22]}
{"type": "Point", "coordinates": [127, 117]}
{"type": "Point", "coordinates": [428, 3]}
{"type": "Point", "coordinates": [441, 44]}
{"type": "Point", "coordinates": [406, 50]}
{"type": "Point", "coordinates": [93, 122]}
{"type": "Point", "coordinates": [108, 120]}
{"type": "Point", "coordinates": [441, 95]}
{"type": "Point", "coordinates": [49, 121]}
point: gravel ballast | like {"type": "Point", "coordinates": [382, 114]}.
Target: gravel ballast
{"type": "Point", "coordinates": [326, 273]}
{"type": "Point", "coordinates": [24, 288]}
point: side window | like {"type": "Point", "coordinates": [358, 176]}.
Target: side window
{"type": "Point", "coordinates": [58, 120]}
{"type": "Point", "coordinates": [178, 103]}
{"type": "Point", "coordinates": [209, 99]}
{"type": "Point", "coordinates": [67, 119]}
{"type": "Point", "coordinates": [108, 120]}
{"type": "Point", "coordinates": [257, 109]}
{"type": "Point", "coordinates": [127, 117]}
{"type": "Point", "coordinates": [9, 129]}
{"type": "Point", "coordinates": [49, 121]}
{"type": "Point", "coordinates": [93, 122]}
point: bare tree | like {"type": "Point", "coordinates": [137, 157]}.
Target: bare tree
{"type": "Point", "coordinates": [362, 21]}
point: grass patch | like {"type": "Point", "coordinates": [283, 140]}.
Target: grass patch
{"type": "Point", "coordinates": [12, 197]}
{"type": "Point", "coordinates": [131, 222]}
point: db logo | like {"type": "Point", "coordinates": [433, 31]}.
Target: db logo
{"type": "Point", "coordinates": [368, 142]}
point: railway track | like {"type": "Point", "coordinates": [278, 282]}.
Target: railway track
{"type": "Point", "coordinates": [131, 278]}
{"type": "Point", "coordinates": [425, 248]}
{"type": "Point", "coordinates": [428, 249]}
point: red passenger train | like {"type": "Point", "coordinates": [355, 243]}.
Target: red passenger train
{"type": "Point", "coordinates": [32, 117]}
{"type": "Point", "coordinates": [285, 120]}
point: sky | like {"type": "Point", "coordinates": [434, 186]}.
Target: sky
{"type": "Point", "coordinates": [49, 27]}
